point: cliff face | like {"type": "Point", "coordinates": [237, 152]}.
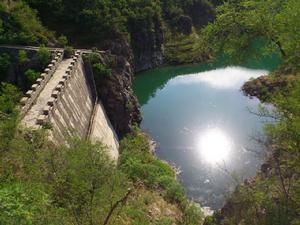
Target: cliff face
{"type": "Point", "coordinates": [115, 91]}
{"type": "Point", "coordinates": [147, 46]}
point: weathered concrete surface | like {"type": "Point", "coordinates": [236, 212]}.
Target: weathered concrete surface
{"type": "Point", "coordinates": [102, 130]}
{"type": "Point", "coordinates": [69, 104]}
{"type": "Point", "coordinates": [31, 116]}
{"type": "Point", "coordinates": [74, 108]}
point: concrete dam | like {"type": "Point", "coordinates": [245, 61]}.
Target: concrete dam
{"type": "Point", "coordinates": [64, 99]}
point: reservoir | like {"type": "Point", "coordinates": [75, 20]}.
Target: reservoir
{"type": "Point", "coordinates": [203, 125]}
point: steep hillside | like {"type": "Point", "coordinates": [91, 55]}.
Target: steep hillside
{"type": "Point", "coordinates": [20, 25]}
{"type": "Point", "coordinates": [106, 24]}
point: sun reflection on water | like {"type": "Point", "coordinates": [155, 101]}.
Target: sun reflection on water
{"type": "Point", "coordinates": [214, 145]}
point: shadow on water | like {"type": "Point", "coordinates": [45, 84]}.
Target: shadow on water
{"type": "Point", "coordinates": [147, 83]}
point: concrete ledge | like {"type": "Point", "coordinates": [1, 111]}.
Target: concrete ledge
{"type": "Point", "coordinates": [29, 93]}
{"type": "Point", "coordinates": [55, 94]}
{"type": "Point", "coordinates": [62, 82]}
{"type": "Point", "coordinates": [41, 119]}
{"type": "Point", "coordinates": [52, 101]}
{"type": "Point", "coordinates": [32, 94]}
{"type": "Point", "coordinates": [34, 87]}
{"type": "Point", "coordinates": [24, 100]}
{"type": "Point", "coordinates": [59, 87]}
{"type": "Point", "coordinates": [68, 71]}
{"type": "Point", "coordinates": [39, 80]}
{"type": "Point", "coordinates": [43, 76]}
{"type": "Point", "coordinates": [46, 110]}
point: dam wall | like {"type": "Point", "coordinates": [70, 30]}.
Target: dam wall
{"type": "Point", "coordinates": [70, 107]}
{"type": "Point", "coordinates": [65, 102]}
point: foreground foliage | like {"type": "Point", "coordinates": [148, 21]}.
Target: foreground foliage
{"type": "Point", "coordinates": [41, 183]}
{"type": "Point", "coordinates": [270, 25]}
{"type": "Point", "coordinates": [243, 29]}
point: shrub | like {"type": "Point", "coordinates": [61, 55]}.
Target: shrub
{"type": "Point", "coordinates": [22, 57]}
{"type": "Point", "coordinates": [62, 41]}
{"type": "Point", "coordinates": [31, 75]}
{"type": "Point", "coordinates": [173, 190]}
{"type": "Point", "coordinates": [139, 164]}
{"type": "Point", "coordinates": [21, 203]}
{"type": "Point", "coordinates": [94, 58]}
{"type": "Point", "coordinates": [4, 65]}
{"type": "Point", "coordinates": [9, 96]}
{"type": "Point", "coordinates": [100, 70]}
{"type": "Point", "coordinates": [44, 56]}
{"type": "Point", "coordinates": [69, 51]}
{"type": "Point", "coordinates": [192, 214]}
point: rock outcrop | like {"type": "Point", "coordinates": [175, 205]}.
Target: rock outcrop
{"type": "Point", "coordinates": [115, 92]}
{"type": "Point", "coordinates": [147, 47]}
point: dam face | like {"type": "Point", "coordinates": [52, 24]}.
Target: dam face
{"type": "Point", "coordinates": [65, 100]}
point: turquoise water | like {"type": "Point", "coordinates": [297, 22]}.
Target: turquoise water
{"type": "Point", "coordinates": [202, 124]}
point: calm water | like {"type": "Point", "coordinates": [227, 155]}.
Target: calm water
{"type": "Point", "coordinates": [202, 124]}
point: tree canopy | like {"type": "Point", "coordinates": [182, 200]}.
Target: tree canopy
{"type": "Point", "coordinates": [241, 24]}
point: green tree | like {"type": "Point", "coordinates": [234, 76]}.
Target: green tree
{"type": "Point", "coordinates": [20, 25]}
{"type": "Point", "coordinates": [242, 24]}
{"type": "Point", "coordinates": [22, 57]}
{"type": "Point", "coordinates": [9, 96]}
{"type": "Point", "coordinates": [21, 203]}
{"type": "Point", "coordinates": [31, 75]}
{"type": "Point", "coordinates": [43, 56]}
{"type": "Point", "coordinates": [4, 65]}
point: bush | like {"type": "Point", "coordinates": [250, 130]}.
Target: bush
{"type": "Point", "coordinates": [69, 51]}
{"type": "Point", "coordinates": [94, 58]}
{"type": "Point", "coordinates": [62, 41]}
{"type": "Point", "coordinates": [22, 57]}
{"type": "Point", "coordinates": [173, 190]}
{"type": "Point", "coordinates": [44, 56]}
{"type": "Point", "coordinates": [100, 70]}
{"type": "Point", "coordinates": [31, 75]}
{"type": "Point", "coordinates": [9, 96]}
{"type": "Point", "coordinates": [192, 214]}
{"type": "Point", "coordinates": [139, 164]}
{"type": "Point", "coordinates": [21, 203]}
{"type": "Point", "coordinates": [4, 65]}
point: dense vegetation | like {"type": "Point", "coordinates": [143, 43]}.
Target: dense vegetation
{"type": "Point", "coordinates": [41, 183]}
{"type": "Point", "coordinates": [22, 68]}
{"type": "Point", "coordinates": [79, 184]}
{"type": "Point", "coordinates": [272, 197]}
{"type": "Point", "coordinates": [110, 25]}
{"type": "Point", "coordinates": [20, 25]}
{"type": "Point", "coordinates": [107, 19]}
{"type": "Point", "coordinates": [242, 24]}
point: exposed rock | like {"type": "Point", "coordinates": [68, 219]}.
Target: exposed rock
{"type": "Point", "coordinates": [262, 87]}
{"type": "Point", "coordinates": [147, 47]}
{"type": "Point", "coordinates": [117, 96]}
{"type": "Point", "coordinates": [201, 13]}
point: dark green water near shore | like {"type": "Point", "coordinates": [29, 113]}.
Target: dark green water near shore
{"type": "Point", "coordinates": [202, 124]}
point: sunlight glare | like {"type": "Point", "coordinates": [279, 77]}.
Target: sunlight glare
{"type": "Point", "coordinates": [214, 145]}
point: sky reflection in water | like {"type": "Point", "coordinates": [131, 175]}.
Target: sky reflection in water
{"type": "Point", "coordinates": [202, 124]}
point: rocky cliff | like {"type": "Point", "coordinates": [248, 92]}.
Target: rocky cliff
{"type": "Point", "coordinates": [115, 90]}
{"type": "Point", "coordinates": [147, 46]}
